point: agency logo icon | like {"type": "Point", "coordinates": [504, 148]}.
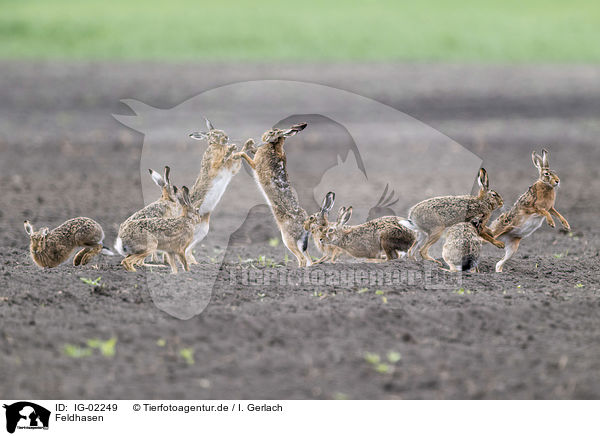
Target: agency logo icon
{"type": "Point", "coordinates": [24, 415]}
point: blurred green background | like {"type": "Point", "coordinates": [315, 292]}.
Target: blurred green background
{"type": "Point", "coordinates": [438, 30]}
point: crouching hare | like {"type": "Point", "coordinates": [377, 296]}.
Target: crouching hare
{"type": "Point", "coordinates": [141, 238]}
{"type": "Point", "coordinates": [462, 247]}
{"type": "Point", "coordinates": [50, 248]}
{"type": "Point", "coordinates": [316, 222]}
{"type": "Point", "coordinates": [369, 239]}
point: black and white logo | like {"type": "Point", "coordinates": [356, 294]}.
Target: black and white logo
{"type": "Point", "coordinates": [26, 415]}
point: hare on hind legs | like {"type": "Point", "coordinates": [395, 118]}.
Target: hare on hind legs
{"type": "Point", "coordinates": [220, 163]}
{"type": "Point", "coordinates": [49, 249]}
{"type": "Point", "coordinates": [530, 210]}
{"type": "Point", "coordinates": [270, 173]}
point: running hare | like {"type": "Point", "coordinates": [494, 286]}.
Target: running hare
{"type": "Point", "coordinates": [316, 222]}
{"type": "Point", "coordinates": [220, 163]}
{"type": "Point", "coordinates": [51, 248]}
{"type": "Point", "coordinates": [141, 238]}
{"type": "Point", "coordinates": [369, 239]}
{"type": "Point", "coordinates": [462, 247]}
{"type": "Point", "coordinates": [270, 173]}
{"type": "Point", "coordinates": [530, 210]}
{"type": "Point", "coordinates": [431, 217]}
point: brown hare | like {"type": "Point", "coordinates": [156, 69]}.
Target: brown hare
{"type": "Point", "coordinates": [530, 210]}
{"type": "Point", "coordinates": [220, 163]}
{"type": "Point", "coordinates": [369, 239]}
{"type": "Point", "coordinates": [165, 207]}
{"type": "Point", "coordinates": [141, 238]}
{"type": "Point", "coordinates": [270, 173]}
{"type": "Point", "coordinates": [319, 220]}
{"type": "Point", "coordinates": [50, 248]}
{"type": "Point", "coordinates": [462, 247]}
{"type": "Point", "coordinates": [431, 217]}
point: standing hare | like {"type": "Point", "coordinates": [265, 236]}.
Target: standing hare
{"type": "Point", "coordinates": [141, 238]}
{"type": "Point", "coordinates": [431, 217]}
{"type": "Point", "coordinates": [270, 173]}
{"type": "Point", "coordinates": [220, 163]}
{"type": "Point", "coordinates": [369, 239]}
{"type": "Point", "coordinates": [319, 220]}
{"type": "Point", "coordinates": [462, 247]}
{"type": "Point", "coordinates": [165, 207]}
{"type": "Point", "coordinates": [530, 210]}
{"type": "Point", "coordinates": [49, 249]}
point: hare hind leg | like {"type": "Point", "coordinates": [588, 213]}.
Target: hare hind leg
{"type": "Point", "coordinates": [79, 256]}
{"type": "Point", "coordinates": [134, 259]}
{"type": "Point", "coordinates": [90, 253]}
{"type": "Point", "coordinates": [512, 245]}
{"type": "Point", "coordinates": [431, 239]}
{"type": "Point", "coordinates": [290, 243]}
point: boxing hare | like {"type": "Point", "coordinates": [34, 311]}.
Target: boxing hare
{"type": "Point", "coordinates": [220, 163]}
{"type": "Point", "coordinates": [530, 210]}
{"type": "Point", "coordinates": [50, 248]}
{"type": "Point", "coordinates": [270, 173]}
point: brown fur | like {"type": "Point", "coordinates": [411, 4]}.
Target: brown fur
{"type": "Point", "coordinates": [431, 217]}
{"type": "Point", "coordinates": [320, 220]}
{"type": "Point", "coordinates": [220, 163]}
{"type": "Point", "coordinates": [369, 239]}
{"type": "Point", "coordinates": [270, 172]}
{"type": "Point", "coordinates": [536, 202]}
{"type": "Point", "coordinates": [171, 235]}
{"type": "Point", "coordinates": [462, 247]}
{"type": "Point", "coordinates": [49, 249]}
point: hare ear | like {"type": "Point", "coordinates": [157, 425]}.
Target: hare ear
{"type": "Point", "coordinates": [341, 214]}
{"type": "Point", "coordinates": [157, 178]}
{"type": "Point", "coordinates": [545, 157]}
{"type": "Point", "coordinates": [294, 129]}
{"type": "Point", "coordinates": [28, 228]}
{"type": "Point", "coordinates": [328, 202]}
{"type": "Point", "coordinates": [209, 125]}
{"type": "Point", "coordinates": [537, 160]}
{"type": "Point", "coordinates": [483, 181]}
{"type": "Point", "coordinates": [45, 231]}
{"type": "Point", "coordinates": [167, 175]}
{"type": "Point", "coordinates": [346, 216]}
{"type": "Point", "coordinates": [199, 136]}
{"type": "Point", "coordinates": [186, 196]}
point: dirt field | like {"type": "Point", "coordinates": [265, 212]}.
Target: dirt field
{"type": "Point", "coordinates": [530, 332]}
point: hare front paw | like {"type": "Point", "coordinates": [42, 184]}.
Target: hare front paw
{"type": "Point", "coordinates": [551, 222]}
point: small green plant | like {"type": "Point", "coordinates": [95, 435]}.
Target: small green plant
{"type": "Point", "coordinates": [579, 285]}
{"type": "Point", "coordinates": [379, 292]}
{"type": "Point", "coordinates": [286, 259]}
{"type": "Point", "coordinates": [340, 396]}
{"type": "Point", "coordinates": [90, 281]}
{"type": "Point", "coordinates": [161, 342]}
{"type": "Point", "coordinates": [187, 354]}
{"type": "Point", "coordinates": [378, 365]}
{"type": "Point", "coordinates": [273, 242]}
{"type": "Point", "coordinates": [261, 295]}
{"type": "Point", "coordinates": [107, 348]}
{"type": "Point", "coordinates": [561, 255]}
{"type": "Point", "coordinates": [394, 357]}
{"type": "Point", "coordinates": [363, 290]}
{"type": "Point", "coordinates": [76, 352]}
{"type": "Point", "coordinates": [267, 262]}
{"type": "Point", "coordinates": [462, 291]}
